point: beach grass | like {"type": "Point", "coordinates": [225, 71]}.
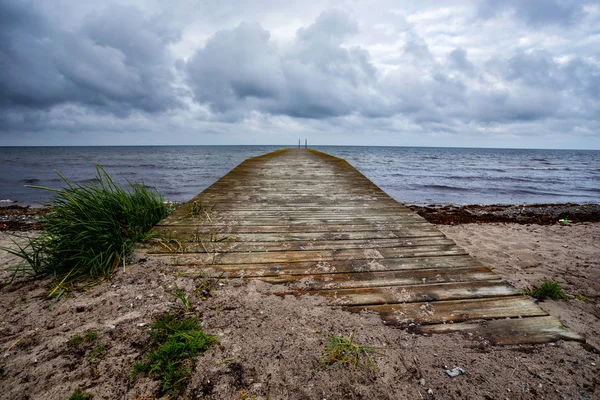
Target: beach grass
{"type": "Point", "coordinates": [175, 342]}
{"type": "Point", "coordinates": [90, 231]}
{"type": "Point", "coordinates": [344, 351]}
{"type": "Point", "coordinates": [79, 395]}
{"type": "Point", "coordinates": [547, 290]}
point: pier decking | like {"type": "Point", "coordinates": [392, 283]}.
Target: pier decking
{"type": "Point", "coordinates": [313, 224]}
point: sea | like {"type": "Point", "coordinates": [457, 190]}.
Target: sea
{"type": "Point", "coordinates": [411, 175]}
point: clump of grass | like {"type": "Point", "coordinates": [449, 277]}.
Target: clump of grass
{"type": "Point", "coordinates": [79, 395]}
{"type": "Point", "coordinates": [175, 341]}
{"type": "Point", "coordinates": [196, 209]}
{"type": "Point", "coordinates": [74, 341]}
{"type": "Point", "coordinates": [206, 284]}
{"type": "Point", "coordinates": [244, 395]}
{"type": "Point", "coordinates": [547, 290]}
{"type": "Point", "coordinates": [93, 356]}
{"type": "Point", "coordinates": [90, 231]}
{"type": "Point", "coordinates": [180, 294]}
{"type": "Point", "coordinates": [91, 336]}
{"type": "Point", "coordinates": [342, 350]}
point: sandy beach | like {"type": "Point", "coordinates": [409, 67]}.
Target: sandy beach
{"type": "Point", "coordinates": [269, 347]}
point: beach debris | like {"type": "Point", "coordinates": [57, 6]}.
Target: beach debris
{"type": "Point", "coordinates": [564, 221]}
{"type": "Point", "coordinates": [430, 391]}
{"type": "Point", "coordinates": [454, 372]}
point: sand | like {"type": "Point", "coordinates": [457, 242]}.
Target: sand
{"type": "Point", "coordinates": [270, 346]}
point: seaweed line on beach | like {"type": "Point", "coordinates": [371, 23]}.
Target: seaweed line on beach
{"type": "Point", "coordinates": [539, 214]}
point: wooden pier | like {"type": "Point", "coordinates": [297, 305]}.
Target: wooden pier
{"type": "Point", "coordinates": [313, 224]}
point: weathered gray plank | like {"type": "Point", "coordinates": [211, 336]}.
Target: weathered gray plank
{"type": "Point", "coordinates": [231, 245]}
{"type": "Point", "coordinates": [410, 230]}
{"type": "Point", "coordinates": [412, 293]}
{"type": "Point", "coordinates": [436, 312]}
{"type": "Point", "coordinates": [510, 331]}
{"type": "Point", "coordinates": [321, 255]}
{"type": "Point", "coordinates": [332, 268]}
{"type": "Point", "coordinates": [382, 278]}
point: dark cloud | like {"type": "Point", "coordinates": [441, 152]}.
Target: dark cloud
{"type": "Point", "coordinates": [536, 12]}
{"type": "Point", "coordinates": [458, 60]}
{"type": "Point", "coordinates": [116, 62]}
{"type": "Point", "coordinates": [563, 88]}
{"type": "Point", "coordinates": [242, 69]}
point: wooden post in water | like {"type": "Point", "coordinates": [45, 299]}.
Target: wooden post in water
{"type": "Point", "coordinates": [305, 143]}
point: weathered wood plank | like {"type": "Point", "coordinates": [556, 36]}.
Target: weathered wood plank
{"type": "Point", "coordinates": [410, 230]}
{"type": "Point", "coordinates": [322, 255]}
{"type": "Point", "coordinates": [437, 312]}
{"type": "Point", "coordinates": [412, 293]}
{"type": "Point", "coordinates": [230, 245]}
{"type": "Point", "coordinates": [191, 234]}
{"type": "Point", "coordinates": [314, 268]}
{"type": "Point", "coordinates": [382, 278]}
{"type": "Point", "coordinates": [293, 221]}
{"type": "Point", "coordinates": [510, 331]}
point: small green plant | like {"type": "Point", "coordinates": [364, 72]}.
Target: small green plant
{"type": "Point", "coordinates": [245, 396]}
{"type": "Point", "coordinates": [342, 350]}
{"type": "Point", "coordinates": [199, 238]}
{"type": "Point", "coordinates": [94, 354]}
{"type": "Point", "coordinates": [74, 341]}
{"type": "Point", "coordinates": [79, 343]}
{"type": "Point", "coordinates": [582, 298]}
{"type": "Point", "coordinates": [180, 294]}
{"type": "Point", "coordinates": [175, 341]}
{"type": "Point", "coordinates": [90, 231]}
{"type": "Point", "coordinates": [547, 290]}
{"type": "Point", "coordinates": [79, 395]}
{"type": "Point", "coordinates": [91, 336]}
{"type": "Point", "coordinates": [196, 209]}
{"type": "Point", "coordinates": [207, 283]}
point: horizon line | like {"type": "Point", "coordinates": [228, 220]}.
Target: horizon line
{"type": "Point", "coordinates": [294, 146]}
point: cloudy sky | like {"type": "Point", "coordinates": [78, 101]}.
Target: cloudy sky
{"type": "Point", "coordinates": [510, 73]}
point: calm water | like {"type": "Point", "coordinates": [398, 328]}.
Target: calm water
{"type": "Point", "coordinates": [410, 175]}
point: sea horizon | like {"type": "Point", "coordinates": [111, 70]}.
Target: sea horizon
{"type": "Point", "coordinates": [296, 146]}
{"type": "Point", "coordinates": [410, 174]}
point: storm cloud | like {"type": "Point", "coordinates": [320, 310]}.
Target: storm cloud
{"type": "Point", "coordinates": [522, 73]}
{"type": "Point", "coordinates": [115, 61]}
{"type": "Point", "coordinates": [243, 69]}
